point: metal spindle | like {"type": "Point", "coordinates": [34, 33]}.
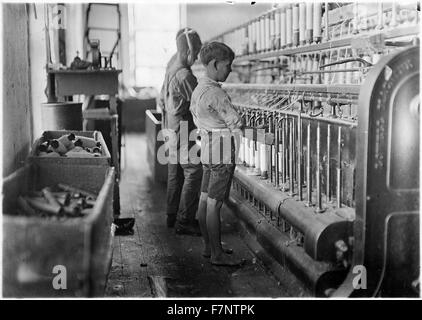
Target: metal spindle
{"type": "Point", "coordinates": [283, 153]}
{"type": "Point", "coordinates": [339, 168]}
{"type": "Point", "coordinates": [299, 153]}
{"type": "Point", "coordinates": [291, 165]}
{"type": "Point", "coordinates": [308, 166]}
{"type": "Point", "coordinates": [276, 146]}
{"type": "Point", "coordinates": [319, 208]}
{"type": "Point", "coordinates": [328, 192]}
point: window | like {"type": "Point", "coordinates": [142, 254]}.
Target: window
{"type": "Point", "coordinates": [152, 32]}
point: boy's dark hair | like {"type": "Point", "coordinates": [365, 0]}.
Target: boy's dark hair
{"type": "Point", "coordinates": [183, 37]}
{"type": "Point", "coordinates": [215, 50]}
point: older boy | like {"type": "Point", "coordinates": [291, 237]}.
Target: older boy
{"type": "Point", "coordinates": [218, 122]}
{"type": "Point", "coordinates": [184, 177]}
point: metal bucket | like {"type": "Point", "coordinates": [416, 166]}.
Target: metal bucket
{"type": "Point", "coordinates": [62, 116]}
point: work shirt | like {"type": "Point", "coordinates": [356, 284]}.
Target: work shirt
{"type": "Point", "coordinates": [215, 116]}
{"type": "Point", "coordinates": [175, 97]}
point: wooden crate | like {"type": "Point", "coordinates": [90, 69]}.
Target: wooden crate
{"type": "Point", "coordinates": [33, 246]}
{"type": "Point", "coordinates": [104, 160]}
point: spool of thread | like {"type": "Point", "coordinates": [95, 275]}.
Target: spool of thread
{"type": "Point", "coordinates": [58, 147]}
{"type": "Point", "coordinates": [241, 150]}
{"type": "Point", "coordinates": [289, 26]}
{"type": "Point", "coordinates": [375, 58]}
{"type": "Point", "coordinates": [251, 36]}
{"type": "Point", "coordinates": [251, 153]}
{"type": "Point", "coordinates": [44, 206]}
{"type": "Point", "coordinates": [272, 31]}
{"type": "Point", "coordinates": [263, 35]}
{"type": "Point", "coordinates": [302, 23]}
{"type": "Point", "coordinates": [309, 22]}
{"type": "Point", "coordinates": [43, 147]}
{"type": "Point", "coordinates": [317, 22]}
{"type": "Point", "coordinates": [73, 190]}
{"type": "Point", "coordinates": [283, 28]}
{"type": "Point", "coordinates": [73, 209]}
{"type": "Point", "coordinates": [67, 140]}
{"type": "Point", "coordinates": [257, 35]}
{"type": "Point", "coordinates": [258, 157]}
{"type": "Point", "coordinates": [88, 142]}
{"type": "Point", "coordinates": [263, 159]}
{"type": "Point", "coordinates": [295, 24]}
{"type": "Point", "coordinates": [50, 197]}
{"type": "Point", "coordinates": [277, 29]}
{"type": "Point", "coordinates": [267, 33]}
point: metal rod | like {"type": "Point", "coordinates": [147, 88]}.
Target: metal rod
{"type": "Point", "coordinates": [283, 153]}
{"type": "Point", "coordinates": [308, 166]}
{"type": "Point", "coordinates": [319, 208]}
{"type": "Point", "coordinates": [299, 153]}
{"type": "Point", "coordinates": [291, 155]}
{"type": "Point", "coordinates": [294, 150]}
{"type": "Point", "coordinates": [328, 192]}
{"type": "Point", "coordinates": [339, 168]}
{"type": "Point", "coordinates": [276, 150]}
{"type": "Point", "coordinates": [270, 158]}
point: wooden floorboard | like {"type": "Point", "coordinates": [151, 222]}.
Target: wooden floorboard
{"type": "Point", "coordinates": [155, 256]}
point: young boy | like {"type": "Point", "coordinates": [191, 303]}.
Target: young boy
{"type": "Point", "coordinates": [184, 177]}
{"type": "Point", "coordinates": [218, 121]}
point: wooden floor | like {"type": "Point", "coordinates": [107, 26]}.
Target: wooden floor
{"type": "Point", "coordinates": [155, 262]}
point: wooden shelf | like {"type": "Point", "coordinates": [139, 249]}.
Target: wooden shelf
{"type": "Point", "coordinates": [344, 89]}
{"type": "Point", "coordinates": [388, 34]}
{"type": "Point", "coordinates": [87, 71]}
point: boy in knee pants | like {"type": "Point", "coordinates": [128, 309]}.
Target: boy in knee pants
{"type": "Point", "coordinates": [220, 125]}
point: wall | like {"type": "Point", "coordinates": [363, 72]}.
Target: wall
{"type": "Point", "coordinates": [212, 19]}
{"type": "Point", "coordinates": [38, 60]}
{"type": "Point", "coordinates": [74, 29]}
{"type": "Point", "coordinates": [17, 116]}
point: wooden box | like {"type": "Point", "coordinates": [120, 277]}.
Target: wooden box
{"type": "Point", "coordinates": [34, 246]}
{"type": "Point", "coordinates": [104, 160]}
